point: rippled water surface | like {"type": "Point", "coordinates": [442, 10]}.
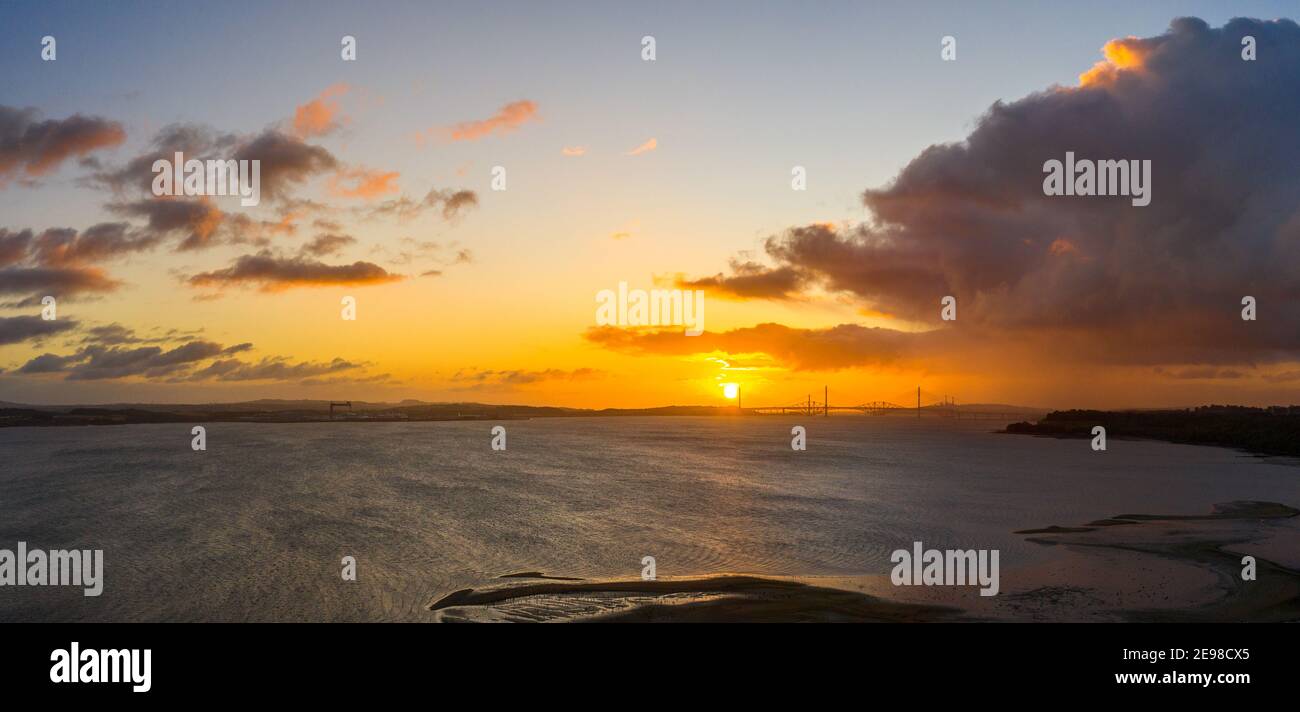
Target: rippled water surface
{"type": "Point", "coordinates": [255, 527]}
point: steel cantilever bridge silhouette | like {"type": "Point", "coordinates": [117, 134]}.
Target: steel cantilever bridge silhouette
{"type": "Point", "coordinates": [922, 403]}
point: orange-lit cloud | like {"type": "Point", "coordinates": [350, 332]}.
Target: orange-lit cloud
{"type": "Point", "coordinates": [363, 183]}
{"type": "Point", "coordinates": [838, 347]}
{"type": "Point", "coordinates": [287, 224]}
{"type": "Point", "coordinates": [1063, 247]}
{"type": "Point", "coordinates": [65, 281]}
{"type": "Point", "coordinates": [320, 116]}
{"type": "Point", "coordinates": [35, 147]}
{"type": "Point", "coordinates": [574, 150]}
{"type": "Point", "coordinates": [646, 147]}
{"type": "Point", "coordinates": [508, 118]}
{"type": "Point", "coordinates": [489, 378]}
{"type": "Point", "coordinates": [65, 247]}
{"type": "Point", "coordinates": [273, 274]}
{"type": "Point", "coordinates": [58, 261]}
{"type": "Point", "coordinates": [1121, 54]}
{"type": "Point", "coordinates": [198, 220]}
{"type": "Point", "coordinates": [750, 280]}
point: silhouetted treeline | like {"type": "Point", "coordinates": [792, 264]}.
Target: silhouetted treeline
{"type": "Point", "coordinates": [1268, 431]}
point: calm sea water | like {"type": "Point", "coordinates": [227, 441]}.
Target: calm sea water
{"type": "Point", "coordinates": [255, 527]}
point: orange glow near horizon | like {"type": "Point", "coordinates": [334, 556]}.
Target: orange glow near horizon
{"type": "Point", "coordinates": [379, 268]}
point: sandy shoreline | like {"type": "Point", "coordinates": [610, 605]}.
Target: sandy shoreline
{"type": "Point", "coordinates": [1130, 567]}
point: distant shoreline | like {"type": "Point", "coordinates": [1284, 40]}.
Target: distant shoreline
{"type": "Point", "coordinates": [18, 415]}
{"type": "Point", "coordinates": [1260, 431]}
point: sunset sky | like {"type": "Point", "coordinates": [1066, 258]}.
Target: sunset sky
{"type": "Point", "coordinates": [924, 180]}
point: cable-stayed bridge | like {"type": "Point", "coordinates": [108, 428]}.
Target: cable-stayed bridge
{"type": "Point", "coordinates": [914, 403]}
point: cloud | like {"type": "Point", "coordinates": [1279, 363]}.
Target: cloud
{"type": "Point", "coordinates": [363, 183]}
{"type": "Point", "coordinates": [98, 243]}
{"type": "Point", "coordinates": [750, 280]}
{"type": "Point", "coordinates": [17, 329]}
{"type": "Point", "coordinates": [348, 380]}
{"type": "Point", "coordinates": [456, 202]}
{"type": "Point", "coordinates": [838, 347]}
{"type": "Point", "coordinates": [197, 223]}
{"type": "Point", "coordinates": [274, 273]}
{"type": "Point", "coordinates": [196, 220]}
{"type": "Point", "coordinates": [415, 251]}
{"type": "Point", "coordinates": [574, 151]}
{"type": "Point", "coordinates": [99, 362]}
{"type": "Point", "coordinates": [1283, 377]}
{"type": "Point", "coordinates": [116, 335]}
{"type": "Point", "coordinates": [488, 378]}
{"type": "Point", "coordinates": [111, 334]}
{"type": "Point", "coordinates": [108, 353]}
{"type": "Point", "coordinates": [59, 282]}
{"type": "Point", "coordinates": [507, 119]}
{"type": "Point", "coordinates": [194, 140]}
{"type": "Point", "coordinates": [13, 246]}
{"type": "Point", "coordinates": [1122, 55]}
{"type": "Point", "coordinates": [47, 363]}
{"type": "Point", "coordinates": [59, 261]}
{"type": "Point", "coordinates": [320, 116]}
{"type": "Point", "coordinates": [271, 368]}
{"type": "Point", "coordinates": [646, 147]}
{"type": "Point", "coordinates": [287, 162]}
{"type": "Point", "coordinates": [327, 244]}
{"type": "Point", "coordinates": [451, 204]}
{"type": "Point", "coordinates": [1202, 373]}
{"type": "Point", "coordinates": [1093, 279]}
{"type": "Point", "coordinates": [237, 228]}
{"type": "Point", "coordinates": [32, 147]}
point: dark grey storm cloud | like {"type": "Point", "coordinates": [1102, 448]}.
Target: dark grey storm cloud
{"type": "Point", "coordinates": [1099, 277]}
{"type": "Point", "coordinates": [17, 329]}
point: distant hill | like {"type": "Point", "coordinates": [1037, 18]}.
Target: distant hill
{"type": "Point", "coordinates": [274, 410]}
{"type": "Point", "coordinates": [280, 410]}
{"type": "Point", "coordinates": [1267, 431]}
